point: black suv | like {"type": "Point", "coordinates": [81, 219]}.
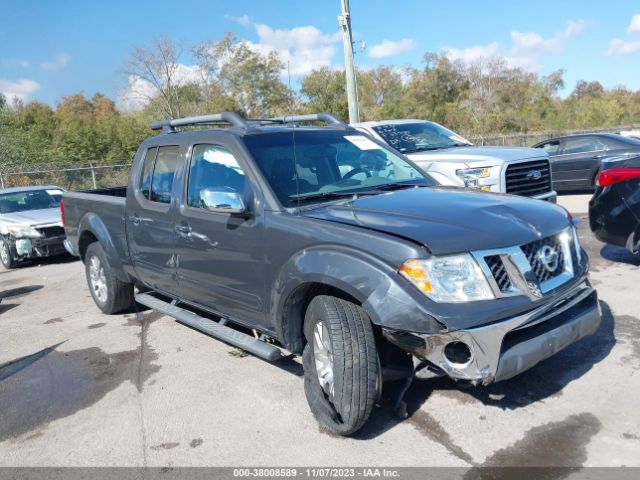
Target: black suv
{"type": "Point", "coordinates": [327, 243]}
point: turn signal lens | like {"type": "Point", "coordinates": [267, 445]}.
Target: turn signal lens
{"type": "Point", "coordinates": [413, 271]}
{"type": "Point", "coordinates": [615, 175]}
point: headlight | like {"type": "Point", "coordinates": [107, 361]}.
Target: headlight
{"type": "Point", "coordinates": [471, 177]}
{"type": "Point", "coordinates": [452, 279]}
{"type": "Point", "coordinates": [22, 231]}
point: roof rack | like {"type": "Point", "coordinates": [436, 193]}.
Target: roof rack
{"type": "Point", "coordinates": [312, 117]}
{"type": "Point", "coordinates": [227, 117]}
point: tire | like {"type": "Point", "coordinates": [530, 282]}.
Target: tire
{"type": "Point", "coordinates": [6, 255]}
{"type": "Point", "coordinates": [346, 407]}
{"type": "Point", "coordinates": [109, 293]}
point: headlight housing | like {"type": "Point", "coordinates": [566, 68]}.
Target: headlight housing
{"type": "Point", "coordinates": [450, 279]}
{"type": "Point", "coordinates": [19, 231]}
{"type": "Point", "coordinates": [471, 177]}
{"type": "Point", "coordinates": [576, 244]}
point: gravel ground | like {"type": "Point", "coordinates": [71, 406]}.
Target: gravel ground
{"type": "Point", "coordinates": [141, 390]}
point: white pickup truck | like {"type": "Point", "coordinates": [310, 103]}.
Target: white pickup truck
{"type": "Point", "coordinates": [452, 160]}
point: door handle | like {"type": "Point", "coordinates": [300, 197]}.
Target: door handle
{"type": "Point", "coordinates": [183, 229]}
{"type": "Point", "coordinates": [135, 219]}
{"type": "Point", "coordinates": [597, 157]}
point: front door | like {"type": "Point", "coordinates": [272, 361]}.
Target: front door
{"type": "Point", "coordinates": [149, 224]}
{"type": "Point", "coordinates": [220, 255]}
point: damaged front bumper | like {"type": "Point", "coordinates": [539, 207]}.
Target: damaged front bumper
{"type": "Point", "coordinates": [27, 247]}
{"type": "Point", "coordinates": [503, 349]}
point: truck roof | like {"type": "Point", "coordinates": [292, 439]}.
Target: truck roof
{"type": "Point", "coordinates": [254, 130]}
{"type": "Point", "coordinates": [230, 121]}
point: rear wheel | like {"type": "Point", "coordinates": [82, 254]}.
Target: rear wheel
{"type": "Point", "coordinates": [340, 364]}
{"type": "Point", "coordinates": [110, 294]}
{"type": "Point", "coordinates": [6, 256]}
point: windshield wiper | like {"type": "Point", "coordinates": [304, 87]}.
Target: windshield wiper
{"type": "Point", "coordinates": [397, 186]}
{"type": "Point", "coordinates": [322, 196]}
{"type": "Point", "coordinates": [438, 147]}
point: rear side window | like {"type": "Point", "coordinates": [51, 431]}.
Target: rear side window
{"type": "Point", "coordinates": [582, 144]}
{"type": "Point", "coordinates": [163, 173]}
{"type": "Point", "coordinates": [147, 171]}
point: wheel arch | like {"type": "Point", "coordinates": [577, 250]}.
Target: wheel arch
{"type": "Point", "coordinates": [92, 229]}
{"type": "Point", "coordinates": [349, 274]}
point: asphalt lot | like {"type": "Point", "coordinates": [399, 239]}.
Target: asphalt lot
{"type": "Point", "coordinates": [84, 389]}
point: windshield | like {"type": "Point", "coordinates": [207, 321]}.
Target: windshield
{"type": "Point", "coordinates": [30, 200]}
{"type": "Point", "coordinates": [420, 136]}
{"type": "Point", "coordinates": [325, 163]}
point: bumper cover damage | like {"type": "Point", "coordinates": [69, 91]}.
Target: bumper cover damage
{"type": "Point", "coordinates": [36, 247]}
{"type": "Point", "coordinates": [503, 349]}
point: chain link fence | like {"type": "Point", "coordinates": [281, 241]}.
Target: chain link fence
{"type": "Point", "coordinates": [529, 139]}
{"type": "Point", "coordinates": [99, 176]}
{"type": "Point", "coordinates": [72, 178]}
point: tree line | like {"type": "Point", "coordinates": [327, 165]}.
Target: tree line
{"type": "Point", "coordinates": [488, 96]}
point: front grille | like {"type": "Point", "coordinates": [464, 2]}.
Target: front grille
{"type": "Point", "coordinates": [50, 232]}
{"type": "Point", "coordinates": [532, 250]}
{"type": "Point", "coordinates": [520, 178]}
{"type": "Point", "coordinates": [500, 275]}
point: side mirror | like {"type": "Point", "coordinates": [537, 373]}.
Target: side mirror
{"type": "Point", "coordinates": [222, 200]}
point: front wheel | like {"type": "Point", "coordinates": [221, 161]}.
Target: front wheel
{"type": "Point", "coordinates": [6, 256]}
{"type": "Point", "coordinates": [110, 294]}
{"type": "Point", "coordinates": [340, 364]}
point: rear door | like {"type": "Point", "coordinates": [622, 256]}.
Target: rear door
{"type": "Point", "coordinates": [221, 263]}
{"type": "Point", "coordinates": [149, 217]}
{"type": "Point", "coordinates": [577, 160]}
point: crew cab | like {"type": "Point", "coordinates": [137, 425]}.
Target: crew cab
{"type": "Point", "coordinates": [453, 160]}
{"type": "Point", "coordinates": [328, 244]}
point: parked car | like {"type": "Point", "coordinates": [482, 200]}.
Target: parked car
{"type": "Point", "coordinates": [452, 160]}
{"type": "Point", "coordinates": [575, 159]}
{"type": "Point", "coordinates": [30, 224]}
{"type": "Point", "coordinates": [614, 209]}
{"type": "Point", "coordinates": [328, 244]}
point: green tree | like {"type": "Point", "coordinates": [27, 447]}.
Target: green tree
{"type": "Point", "coordinates": [324, 90]}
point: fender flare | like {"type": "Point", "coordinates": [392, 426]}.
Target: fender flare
{"type": "Point", "coordinates": [93, 224]}
{"type": "Point", "coordinates": [373, 283]}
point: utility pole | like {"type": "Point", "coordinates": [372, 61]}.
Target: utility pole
{"type": "Point", "coordinates": [344, 20]}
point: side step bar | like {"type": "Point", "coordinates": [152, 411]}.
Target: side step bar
{"type": "Point", "coordinates": [233, 337]}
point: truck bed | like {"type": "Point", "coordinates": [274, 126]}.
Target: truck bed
{"type": "Point", "coordinates": [102, 208]}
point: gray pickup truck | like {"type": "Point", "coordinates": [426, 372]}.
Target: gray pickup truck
{"type": "Point", "coordinates": [282, 235]}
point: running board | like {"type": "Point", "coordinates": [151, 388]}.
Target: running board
{"type": "Point", "coordinates": [233, 337]}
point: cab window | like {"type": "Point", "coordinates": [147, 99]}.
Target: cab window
{"type": "Point", "coordinates": [551, 147]}
{"type": "Point", "coordinates": [163, 172]}
{"type": "Point", "coordinates": [147, 171]}
{"type": "Point", "coordinates": [582, 144]}
{"type": "Point", "coordinates": [213, 167]}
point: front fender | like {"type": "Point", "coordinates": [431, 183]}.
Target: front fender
{"type": "Point", "coordinates": [386, 297]}
{"type": "Point", "coordinates": [93, 224]}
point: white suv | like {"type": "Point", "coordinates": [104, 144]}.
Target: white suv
{"type": "Point", "coordinates": [453, 160]}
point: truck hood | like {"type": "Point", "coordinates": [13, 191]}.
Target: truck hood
{"type": "Point", "coordinates": [450, 220]}
{"type": "Point", "coordinates": [45, 216]}
{"type": "Point", "coordinates": [471, 155]}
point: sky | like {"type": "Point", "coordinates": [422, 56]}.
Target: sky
{"type": "Point", "coordinates": [49, 49]}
